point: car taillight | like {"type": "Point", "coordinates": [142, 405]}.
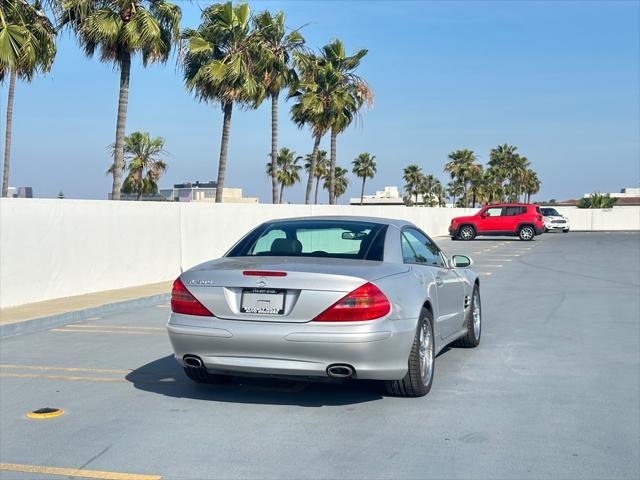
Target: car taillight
{"type": "Point", "coordinates": [182, 301]}
{"type": "Point", "coordinates": [539, 218]}
{"type": "Point", "coordinates": [364, 303]}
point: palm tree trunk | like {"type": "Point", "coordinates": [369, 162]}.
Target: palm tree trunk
{"type": "Point", "coordinates": [317, 185]}
{"type": "Point", "coordinates": [123, 101]}
{"type": "Point", "coordinates": [464, 188]}
{"type": "Point", "coordinates": [7, 138]}
{"type": "Point", "coordinates": [224, 146]}
{"type": "Point", "coordinates": [281, 190]}
{"type": "Point", "coordinates": [274, 147]}
{"type": "Point", "coordinates": [362, 191]}
{"type": "Point", "coordinates": [415, 203]}
{"type": "Point", "coordinates": [332, 170]}
{"type": "Point", "coordinates": [312, 170]}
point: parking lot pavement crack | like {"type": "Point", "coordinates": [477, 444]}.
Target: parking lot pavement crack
{"type": "Point", "coordinates": [95, 457]}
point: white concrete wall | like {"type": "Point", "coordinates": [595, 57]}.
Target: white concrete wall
{"type": "Point", "coordinates": [57, 248]}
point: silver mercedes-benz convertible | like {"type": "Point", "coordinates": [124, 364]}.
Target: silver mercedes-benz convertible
{"type": "Point", "coordinates": [326, 297]}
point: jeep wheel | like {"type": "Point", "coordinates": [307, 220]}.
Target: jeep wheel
{"type": "Point", "coordinates": [526, 233]}
{"type": "Point", "coordinates": [467, 233]}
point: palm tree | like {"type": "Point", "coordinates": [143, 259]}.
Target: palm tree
{"type": "Point", "coordinates": [312, 90]}
{"type": "Point", "coordinates": [119, 29]}
{"type": "Point", "coordinates": [428, 189]}
{"type": "Point", "coordinates": [413, 179]}
{"type": "Point", "coordinates": [321, 171]}
{"type": "Point", "coordinates": [145, 164]}
{"type": "Point", "coordinates": [597, 200]}
{"type": "Point", "coordinates": [340, 184]}
{"type": "Point", "coordinates": [454, 189]}
{"type": "Point", "coordinates": [475, 175]}
{"type": "Point", "coordinates": [220, 66]}
{"type": "Point", "coordinates": [27, 47]}
{"type": "Point", "coordinates": [364, 166]}
{"type": "Point", "coordinates": [501, 164]}
{"type": "Point", "coordinates": [458, 166]}
{"type": "Point", "coordinates": [287, 170]}
{"type": "Point", "coordinates": [531, 184]}
{"type": "Point", "coordinates": [275, 69]}
{"type": "Point", "coordinates": [349, 94]}
{"type": "Point", "coordinates": [439, 192]}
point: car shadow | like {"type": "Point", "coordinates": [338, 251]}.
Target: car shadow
{"type": "Point", "coordinates": [165, 377]}
{"type": "Point", "coordinates": [496, 239]}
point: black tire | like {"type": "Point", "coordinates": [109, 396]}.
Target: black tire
{"type": "Point", "coordinates": [414, 384]}
{"type": "Point", "coordinates": [546, 230]}
{"type": "Point", "coordinates": [526, 233]}
{"type": "Point", "coordinates": [466, 232]}
{"type": "Point", "coordinates": [471, 339]}
{"type": "Point", "coordinates": [200, 375]}
{"type": "Point", "coordinates": [565, 231]}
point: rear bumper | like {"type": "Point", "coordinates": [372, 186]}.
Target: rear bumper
{"type": "Point", "coordinates": [378, 349]}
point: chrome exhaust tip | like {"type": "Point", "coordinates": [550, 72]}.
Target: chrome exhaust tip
{"type": "Point", "coordinates": [340, 371]}
{"type": "Point", "coordinates": [192, 361]}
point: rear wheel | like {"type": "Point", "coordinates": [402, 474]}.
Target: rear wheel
{"type": "Point", "coordinates": [566, 230]}
{"type": "Point", "coordinates": [526, 233]}
{"type": "Point", "coordinates": [467, 232]}
{"type": "Point", "coordinates": [473, 321]}
{"type": "Point", "coordinates": [417, 382]}
{"type": "Point", "coordinates": [200, 375]}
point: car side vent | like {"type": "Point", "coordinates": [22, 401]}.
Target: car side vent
{"type": "Point", "coordinates": [467, 301]}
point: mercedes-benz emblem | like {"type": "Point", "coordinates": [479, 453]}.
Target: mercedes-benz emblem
{"type": "Point", "coordinates": [262, 282]}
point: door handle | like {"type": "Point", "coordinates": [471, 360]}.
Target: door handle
{"type": "Point", "coordinates": [439, 281]}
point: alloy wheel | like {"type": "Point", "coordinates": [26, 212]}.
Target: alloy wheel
{"type": "Point", "coordinates": [426, 353]}
{"type": "Point", "coordinates": [526, 233]}
{"type": "Point", "coordinates": [476, 316]}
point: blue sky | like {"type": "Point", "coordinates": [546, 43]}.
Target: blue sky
{"type": "Point", "coordinates": [558, 79]}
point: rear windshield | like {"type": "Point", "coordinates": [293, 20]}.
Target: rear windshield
{"type": "Point", "coordinates": [314, 238]}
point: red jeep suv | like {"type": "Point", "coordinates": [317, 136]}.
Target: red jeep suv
{"type": "Point", "coordinates": [522, 220]}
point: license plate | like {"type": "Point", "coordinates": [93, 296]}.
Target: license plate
{"type": "Point", "coordinates": [264, 301]}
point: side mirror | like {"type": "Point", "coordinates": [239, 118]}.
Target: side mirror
{"type": "Point", "coordinates": [483, 215]}
{"type": "Point", "coordinates": [461, 261]}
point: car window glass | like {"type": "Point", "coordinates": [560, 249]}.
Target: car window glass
{"type": "Point", "coordinates": [418, 248]}
{"type": "Point", "coordinates": [493, 212]}
{"type": "Point", "coordinates": [263, 244]}
{"type": "Point", "coordinates": [330, 240]}
{"type": "Point", "coordinates": [512, 211]}
{"type": "Point", "coordinates": [315, 238]}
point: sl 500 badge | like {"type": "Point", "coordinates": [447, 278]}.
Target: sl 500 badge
{"type": "Point", "coordinates": [200, 283]}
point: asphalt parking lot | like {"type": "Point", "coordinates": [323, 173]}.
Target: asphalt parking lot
{"type": "Point", "coordinates": [553, 391]}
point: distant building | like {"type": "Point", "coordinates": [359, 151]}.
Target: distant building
{"type": "Point", "coordinates": [629, 196]}
{"type": "Point", "coordinates": [193, 192]}
{"type": "Point", "coordinates": [203, 192]}
{"type": "Point", "coordinates": [20, 192]}
{"type": "Point", "coordinates": [629, 192]}
{"type": "Point", "coordinates": [388, 196]}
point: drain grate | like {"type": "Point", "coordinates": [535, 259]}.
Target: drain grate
{"type": "Point", "coordinates": [47, 412]}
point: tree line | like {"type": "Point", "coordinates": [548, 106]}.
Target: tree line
{"type": "Point", "coordinates": [508, 177]}
{"type": "Point", "coordinates": [234, 59]}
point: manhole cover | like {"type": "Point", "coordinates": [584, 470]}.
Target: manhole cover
{"type": "Point", "coordinates": [46, 412]}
